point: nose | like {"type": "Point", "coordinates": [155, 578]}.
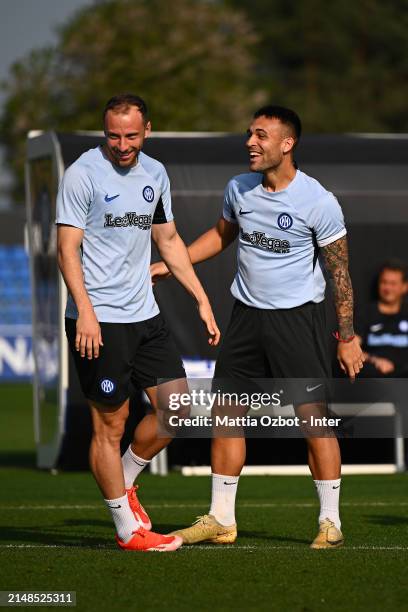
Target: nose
{"type": "Point", "coordinates": [123, 145]}
{"type": "Point", "coordinates": [249, 141]}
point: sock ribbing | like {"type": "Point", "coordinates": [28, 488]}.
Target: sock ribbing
{"type": "Point", "coordinates": [132, 466]}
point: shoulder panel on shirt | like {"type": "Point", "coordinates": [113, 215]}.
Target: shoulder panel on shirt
{"type": "Point", "coordinates": [153, 167]}
{"type": "Point", "coordinates": [92, 161]}
{"type": "Point", "coordinates": [238, 185]}
{"type": "Point", "coordinates": [242, 183]}
{"type": "Point", "coordinates": [319, 208]}
{"type": "Point", "coordinates": [75, 195]}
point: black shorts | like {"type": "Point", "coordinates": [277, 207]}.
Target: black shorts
{"type": "Point", "coordinates": [132, 354]}
{"type": "Point", "coordinates": [288, 343]}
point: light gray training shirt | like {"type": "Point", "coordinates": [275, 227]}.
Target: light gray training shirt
{"type": "Point", "coordinates": [279, 236]}
{"type": "Point", "coordinates": [116, 208]}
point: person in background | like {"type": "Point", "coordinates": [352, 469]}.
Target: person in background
{"type": "Point", "coordinates": [383, 328]}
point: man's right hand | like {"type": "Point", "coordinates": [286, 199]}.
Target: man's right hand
{"type": "Point", "coordinates": [159, 271]}
{"type": "Point", "coordinates": [88, 334]}
{"type": "Point", "coordinates": [383, 365]}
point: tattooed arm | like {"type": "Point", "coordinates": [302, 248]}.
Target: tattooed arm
{"type": "Point", "coordinates": [349, 354]}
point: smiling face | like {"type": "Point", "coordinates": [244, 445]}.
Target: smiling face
{"type": "Point", "coordinates": [269, 143]}
{"type": "Point", "coordinates": [125, 132]}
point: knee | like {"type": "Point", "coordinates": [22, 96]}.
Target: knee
{"type": "Point", "coordinates": [109, 433]}
{"type": "Point", "coordinates": [184, 412]}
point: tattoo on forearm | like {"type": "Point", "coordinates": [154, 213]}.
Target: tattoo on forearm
{"type": "Point", "coordinates": [336, 260]}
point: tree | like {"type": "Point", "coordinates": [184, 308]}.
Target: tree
{"type": "Point", "coordinates": [342, 65]}
{"type": "Point", "coordinates": [190, 59]}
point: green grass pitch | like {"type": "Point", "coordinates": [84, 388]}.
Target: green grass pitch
{"type": "Point", "coordinates": [55, 534]}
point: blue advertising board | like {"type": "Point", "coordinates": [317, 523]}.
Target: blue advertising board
{"type": "Point", "coordinates": [16, 353]}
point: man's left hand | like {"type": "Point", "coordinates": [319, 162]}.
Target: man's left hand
{"type": "Point", "coordinates": [351, 357]}
{"type": "Point", "coordinates": [206, 314]}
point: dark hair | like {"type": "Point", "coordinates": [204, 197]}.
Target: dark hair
{"type": "Point", "coordinates": [285, 116]}
{"type": "Point", "coordinates": [123, 101]}
{"type": "Point", "coordinates": [396, 265]}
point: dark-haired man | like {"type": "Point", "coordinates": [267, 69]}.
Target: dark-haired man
{"type": "Point", "coordinates": [111, 201]}
{"type": "Point", "coordinates": [284, 221]}
{"type": "Point", "coordinates": [383, 328]}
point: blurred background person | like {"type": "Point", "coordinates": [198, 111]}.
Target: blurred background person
{"type": "Point", "coordinates": [383, 326]}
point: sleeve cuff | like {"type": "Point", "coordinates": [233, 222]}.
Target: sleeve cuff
{"type": "Point", "coordinates": [162, 220]}
{"type": "Point", "coordinates": [326, 241]}
{"type": "Point", "coordinates": [229, 219]}
{"type": "Point", "coordinates": [71, 223]}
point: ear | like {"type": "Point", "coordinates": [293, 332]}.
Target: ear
{"type": "Point", "coordinates": [148, 129]}
{"type": "Point", "coordinates": [287, 144]}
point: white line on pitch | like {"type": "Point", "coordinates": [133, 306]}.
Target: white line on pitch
{"type": "Point", "coordinates": [199, 505]}
{"type": "Point", "coordinates": [203, 547]}
{"type": "Point", "coordinates": [267, 547]}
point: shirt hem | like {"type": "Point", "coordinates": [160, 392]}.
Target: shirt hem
{"type": "Point", "coordinates": [270, 307]}
{"type": "Point", "coordinates": [109, 319]}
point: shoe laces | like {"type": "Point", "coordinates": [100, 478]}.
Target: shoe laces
{"type": "Point", "coordinates": [327, 523]}
{"type": "Point", "coordinates": [201, 519]}
{"type": "Point", "coordinates": [132, 496]}
{"type": "Point", "coordinates": [141, 531]}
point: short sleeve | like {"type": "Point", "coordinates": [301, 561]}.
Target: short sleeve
{"type": "Point", "coordinates": [163, 212]}
{"type": "Point", "coordinates": [228, 209]}
{"type": "Point", "coordinates": [327, 221]}
{"type": "Point", "coordinates": [75, 194]}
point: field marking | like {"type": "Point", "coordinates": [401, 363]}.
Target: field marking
{"type": "Point", "coordinates": [252, 547]}
{"type": "Point", "coordinates": [199, 547]}
{"type": "Point", "coordinates": [200, 505]}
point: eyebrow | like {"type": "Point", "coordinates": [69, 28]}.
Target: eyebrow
{"type": "Point", "coordinates": [112, 133]}
{"type": "Point", "coordinates": [257, 131]}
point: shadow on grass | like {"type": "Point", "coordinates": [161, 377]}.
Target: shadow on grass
{"type": "Point", "coordinates": [159, 528]}
{"type": "Point", "coordinates": [253, 535]}
{"type": "Point", "coordinates": [386, 520]}
{"type": "Point", "coordinates": [88, 523]}
{"type": "Point", "coordinates": [52, 536]}
{"type": "Point", "coordinates": [22, 459]}
{"type": "Point", "coordinates": [166, 528]}
{"type": "Point", "coordinates": [46, 535]}
{"type": "Point", "coordinates": [261, 535]}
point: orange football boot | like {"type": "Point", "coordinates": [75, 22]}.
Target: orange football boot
{"type": "Point", "coordinates": [146, 541]}
{"type": "Point", "coordinates": [140, 513]}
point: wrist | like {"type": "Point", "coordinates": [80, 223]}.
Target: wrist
{"type": "Point", "coordinates": [85, 309]}
{"type": "Point", "coordinates": [345, 339]}
{"type": "Point", "coordinates": [201, 300]}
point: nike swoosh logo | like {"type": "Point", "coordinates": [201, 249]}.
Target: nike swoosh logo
{"type": "Point", "coordinates": [114, 507]}
{"type": "Point", "coordinates": [336, 487]}
{"type": "Point", "coordinates": [245, 212]}
{"type": "Point", "coordinates": [376, 327]}
{"type": "Point", "coordinates": [230, 483]}
{"type": "Point", "coordinates": [109, 199]}
{"type": "Point", "coordinates": [309, 389]}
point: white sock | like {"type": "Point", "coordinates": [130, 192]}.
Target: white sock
{"type": "Point", "coordinates": [329, 494]}
{"type": "Point", "coordinates": [132, 466]}
{"type": "Point", "coordinates": [224, 490]}
{"type": "Point", "coordinates": [123, 517]}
